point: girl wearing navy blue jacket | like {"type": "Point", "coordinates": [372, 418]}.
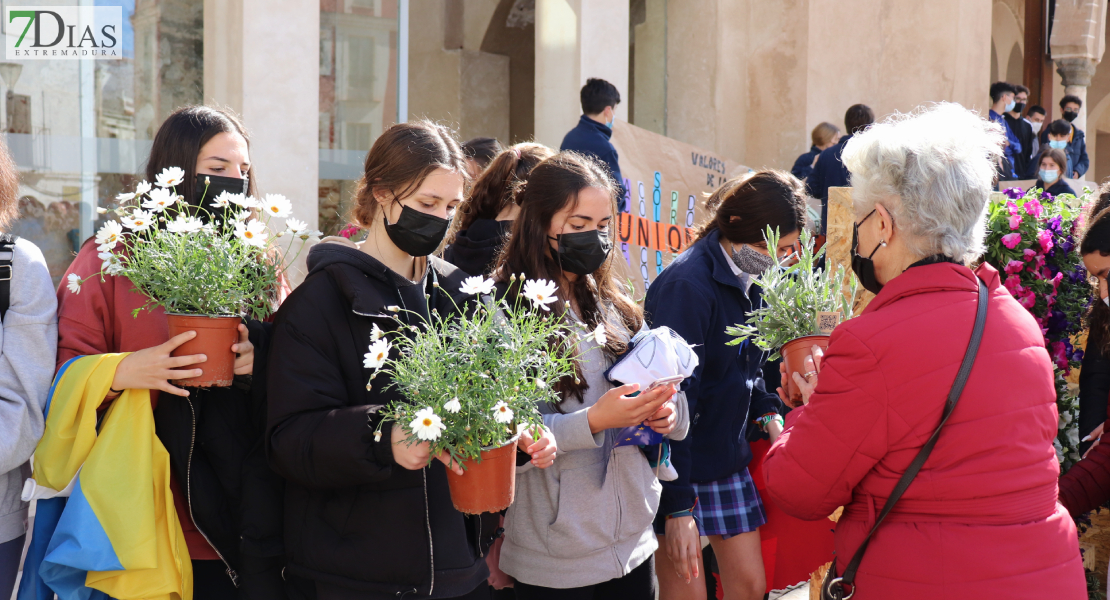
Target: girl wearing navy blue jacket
{"type": "Point", "coordinates": [706, 289]}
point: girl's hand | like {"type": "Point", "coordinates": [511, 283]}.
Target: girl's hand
{"type": "Point", "coordinates": [615, 409]}
{"type": "Point", "coordinates": [417, 456]}
{"type": "Point", "coordinates": [684, 547]}
{"type": "Point", "coordinates": [664, 419]}
{"type": "Point", "coordinates": [541, 450]}
{"type": "Point", "coordinates": [244, 353]}
{"type": "Point", "coordinates": [153, 368]}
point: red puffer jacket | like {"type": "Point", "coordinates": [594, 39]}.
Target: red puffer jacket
{"type": "Point", "coordinates": [981, 519]}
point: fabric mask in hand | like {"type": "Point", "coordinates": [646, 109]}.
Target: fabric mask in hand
{"type": "Point", "coordinates": [750, 260]}
{"type": "Point", "coordinates": [583, 252]}
{"type": "Point", "coordinates": [415, 232]}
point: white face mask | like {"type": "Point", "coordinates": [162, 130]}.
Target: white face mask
{"type": "Point", "coordinates": [1036, 127]}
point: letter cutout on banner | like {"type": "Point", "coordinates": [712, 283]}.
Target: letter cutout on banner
{"type": "Point", "coordinates": [657, 195]}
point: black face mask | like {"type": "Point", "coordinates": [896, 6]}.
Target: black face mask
{"type": "Point", "coordinates": [1019, 107]}
{"type": "Point", "coordinates": [417, 233]}
{"type": "Point", "coordinates": [209, 187]}
{"type": "Point", "coordinates": [1070, 115]}
{"type": "Point", "coordinates": [864, 268]}
{"type": "Point", "coordinates": [583, 252]}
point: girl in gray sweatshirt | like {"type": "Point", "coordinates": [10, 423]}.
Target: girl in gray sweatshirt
{"type": "Point", "coordinates": [582, 527]}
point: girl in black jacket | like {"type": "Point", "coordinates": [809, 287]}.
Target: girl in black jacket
{"type": "Point", "coordinates": [487, 215]}
{"type": "Point", "coordinates": [370, 517]}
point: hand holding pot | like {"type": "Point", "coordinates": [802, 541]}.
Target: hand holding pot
{"type": "Point", "coordinates": [244, 353]}
{"type": "Point", "coordinates": [416, 456]}
{"type": "Point", "coordinates": [807, 381]}
{"type": "Point", "coordinates": [616, 409]}
{"type": "Point", "coordinates": [152, 368]}
{"type": "Point", "coordinates": [542, 450]}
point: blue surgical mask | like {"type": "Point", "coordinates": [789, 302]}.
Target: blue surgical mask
{"type": "Point", "coordinates": [1010, 106]}
{"type": "Point", "coordinates": [1058, 144]}
{"type": "Point", "coordinates": [609, 124]}
{"type": "Point", "coordinates": [1048, 175]}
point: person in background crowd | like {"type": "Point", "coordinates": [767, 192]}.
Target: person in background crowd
{"type": "Point", "coordinates": [1002, 101]}
{"type": "Point", "coordinates": [29, 330]}
{"type": "Point", "coordinates": [1078, 160]}
{"type": "Point", "coordinates": [1035, 117]}
{"type": "Point", "coordinates": [479, 152]}
{"type": "Point", "coordinates": [582, 528]}
{"type": "Point", "coordinates": [487, 214]}
{"type": "Point", "coordinates": [591, 136]}
{"type": "Point", "coordinates": [228, 500]}
{"type": "Point", "coordinates": [706, 289]}
{"type": "Point", "coordinates": [921, 184]}
{"type": "Point", "coordinates": [1021, 129]}
{"type": "Point", "coordinates": [823, 137]}
{"type": "Point", "coordinates": [1086, 486]}
{"type": "Point", "coordinates": [396, 532]}
{"type": "Point", "coordinates": [1058, 134]}
{"type": "Point", "coordinates": [1052, 164]}
{"type": "Point", "coordinates": [829, 171]}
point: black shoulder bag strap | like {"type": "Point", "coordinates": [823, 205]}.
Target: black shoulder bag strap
{"type": "Point", "coordinates": [833, 587]}
{"type": "Point", "coordinates": [7, 255]}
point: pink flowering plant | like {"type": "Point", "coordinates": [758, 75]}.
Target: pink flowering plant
{"type": "Point", "coordinates": [1032, 240]}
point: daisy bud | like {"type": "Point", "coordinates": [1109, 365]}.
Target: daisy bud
{"type": "Point", "coordinates": [516, 388]}
{"type": "Point", "coordinates": [207, 181]}
{"type": "Point", "coordinates": [393, 308]}
{"type": "Point", "coordinates": [435, 284]}
{"type": "Point", "coordinates": [512, 276]}
{"type": "Point", "coordinates": [427, 296]}
{"type": "Point", "coordinates": [101, 211]}
{"type": "Point", "coordinates": [377, 436]}
{"type": "Point", "coordinates": [577, 381]}
{"type": "Point", "coordinates": [368, 387]}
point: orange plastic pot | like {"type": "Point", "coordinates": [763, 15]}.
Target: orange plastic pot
{"type": "Point", "coordinates": [215, 336]}
{"type": "Point", "coordinates": [794, 354]}
{"type": "Point", "coordinates": [487, 486]}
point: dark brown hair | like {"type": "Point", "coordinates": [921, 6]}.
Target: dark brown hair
{"type": "Point", "coordinates": [857, 118]}
{"type": "Point", "coordinates": [553, 185]}
{"type": "Point", "coordinates": [9, 187]}
{"type": "Point", "coordinates": [183, 134]}
{"type": "Point", "coordinates": [481, 150]}
{"type": "Point", "coordinates": [744, 206]}
{"type": "Point", "coordinates": [493, 191]}
{"type": "Point", "coordinates": [1096, 238]}
{"type": "Point", "coordinates": [1057, 157]}
{"type": "Point", "coordinates": [399, 161]}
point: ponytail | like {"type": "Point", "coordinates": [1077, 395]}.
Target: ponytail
{"type": "Point", "coordinates": [496, 187]}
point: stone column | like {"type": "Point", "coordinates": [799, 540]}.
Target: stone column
{"type": "Point", "coordinates": [576, 40]}
{"type": "Point", "coordinates": [1076, 73]}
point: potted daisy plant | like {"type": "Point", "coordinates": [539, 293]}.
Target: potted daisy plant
{"type": "Point", "coordinates": [207, 266]}
{"type": "Point", "coordinates": [473, 382]}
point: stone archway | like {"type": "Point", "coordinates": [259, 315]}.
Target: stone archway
{"type": "Point", "coordinates": [1007, 38]}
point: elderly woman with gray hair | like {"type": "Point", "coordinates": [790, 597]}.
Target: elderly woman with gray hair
{"type": "Point", "coordinates": [931, 416]}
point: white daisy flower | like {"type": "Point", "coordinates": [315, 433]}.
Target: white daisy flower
{"type": "Point", "coordinates": [184, 225]}
{"type": "Point", "coordinates": [598, 335]}
{"type": "Point", "coordinates": [295, 226]}
{"type": "Point", "coordinates": [453, 405]}
{"type": "Point", "coordinates": [276, 205]}
{"type": "Point", "coordinates": [476, 285]}
{"type": "Point", "coordinates": [126, 196]}
{"type": "Point", "coordinates": [159, 199]}
{"type": "Point", "coordinates": [111, 264]}
{"type": "Point", "coordinates": [376, 357]}
{"type": "Point", "coordinates": [143, 187]}
{"type": "Point", "coordinates": [502, 413]}
{"type": "Point", "coordinates": [427, 425]}
{"type": "Point", "coordinates": [100, 210]}
{"type": "Point", "coordinates": [541, 292]}
{"type": "Point", "coordinates": [170, 176]}
{"type": "Point", "coordinates": [253, 233]}
{"type": "Point", "coordinates": [376, 333]}
{"type": "Point", "coordinates": [73, 282]}
{"type": "Point", "coordinates": [244, 201]}
{"type": "Point", "coordinates": [138, 220]}
{"type": "Point", "coordinates": [108, 235]}
{"type": "Point", "coordinates": [224, 200]}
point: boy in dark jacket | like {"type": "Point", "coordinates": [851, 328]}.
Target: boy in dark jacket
{"type": "Point", "coordinates": [591, 136]}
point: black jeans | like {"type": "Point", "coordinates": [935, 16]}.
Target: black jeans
{"type": "Point", "coordinates": [10, 553]}
{"type": "Point", "coordinates": [637, 585]}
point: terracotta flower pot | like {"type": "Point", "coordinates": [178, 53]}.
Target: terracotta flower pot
{"type": "Point", "coordinates": [794, 354]}
{"type": "Point", "coordinates": [487, 486]}
{"type": "Point", "coordinates": [215, 336]}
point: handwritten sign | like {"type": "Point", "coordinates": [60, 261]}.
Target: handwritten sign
{"type": "Point", "coordinates": [666, 183]}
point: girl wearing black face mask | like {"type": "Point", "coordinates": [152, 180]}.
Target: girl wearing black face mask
{"type": "Point", "coordinates": [370, 517]}
{"type": "Point", "coordinates": [708, 287]}
{"type": "Point", "coordinates": [595, 540]}
{"type": "Point", "coordinates": [228, 500]}
{"type": "Point", "coordinates": [486, 216]}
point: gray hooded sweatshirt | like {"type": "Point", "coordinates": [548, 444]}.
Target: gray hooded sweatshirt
{"type": "Point", "coordinates": [587, 518]}
{"type": "Point", "coordinates": [28, 346]}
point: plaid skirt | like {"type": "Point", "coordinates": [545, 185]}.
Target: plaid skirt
{"type": "Point", "coordinates": [726, 507]}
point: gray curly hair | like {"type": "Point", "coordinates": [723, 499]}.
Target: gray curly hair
{"type": "Point", "coordinates": [934, 170]}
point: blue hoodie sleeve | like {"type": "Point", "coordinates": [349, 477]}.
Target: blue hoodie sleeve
{"type": "Point", "coordinates": [1083, 162]}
